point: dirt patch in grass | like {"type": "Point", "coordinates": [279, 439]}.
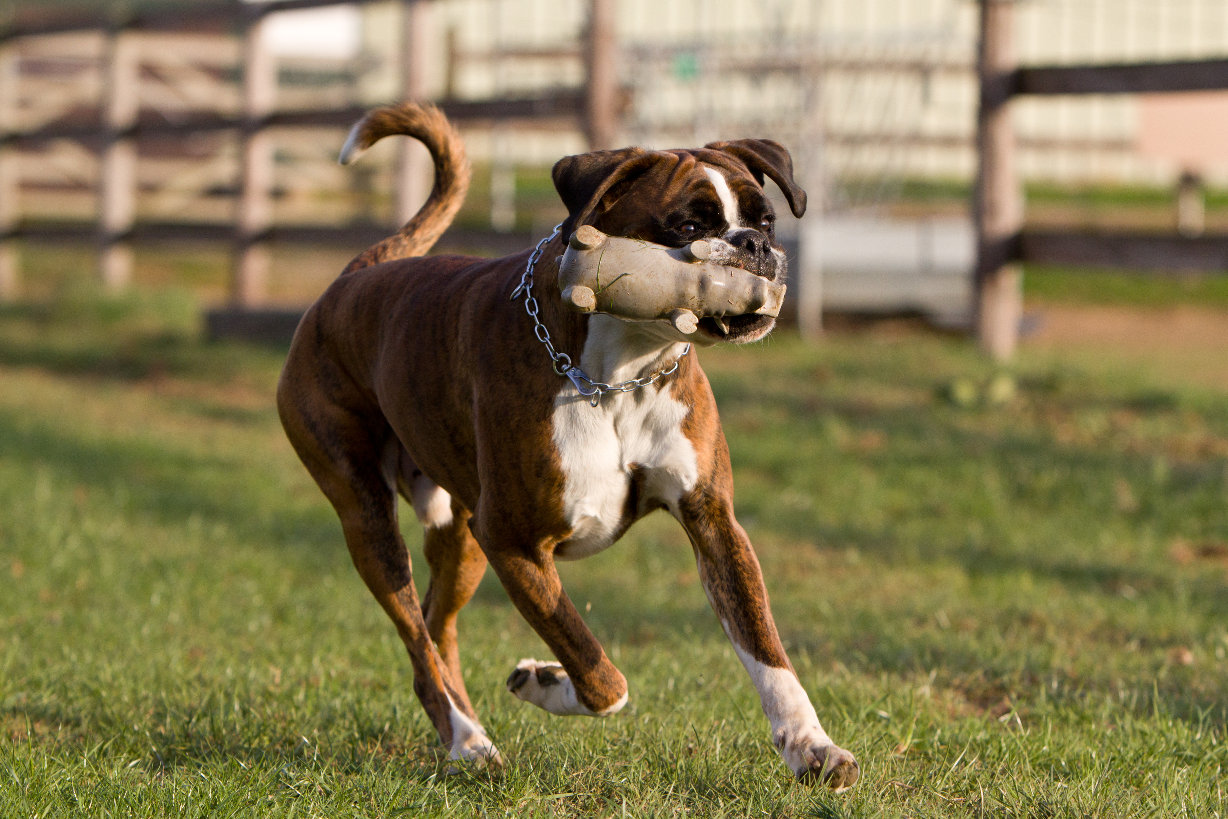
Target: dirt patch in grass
{"type": "Point", "coordinates": [1184, 341]}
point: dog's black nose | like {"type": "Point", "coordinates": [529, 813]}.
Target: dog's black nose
{"type": "Point", "coordinates": [757, 250]}
{"type": "Point", "coordinates": [751, 242]}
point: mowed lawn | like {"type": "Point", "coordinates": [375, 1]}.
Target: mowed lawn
{"type": "Point", "coordinates": [1007, 592]}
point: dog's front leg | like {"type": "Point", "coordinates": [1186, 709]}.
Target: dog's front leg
{"type": "Point", "coordinates": [584, 681]}
{"type": "Point", "coordinates": [733, 582]}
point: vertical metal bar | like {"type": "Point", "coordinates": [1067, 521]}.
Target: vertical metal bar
{"type": "Point", "coordinates": [813, 174]}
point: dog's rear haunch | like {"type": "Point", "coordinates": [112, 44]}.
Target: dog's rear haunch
{"type": "Point", "coordinates": [523, 432]}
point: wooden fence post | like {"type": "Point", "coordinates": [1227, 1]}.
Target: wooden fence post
{"type": "Point", "coordinates": [998, 202]}
{"type": "Point", "coordinates": [1191, 204]}
{"type": "Point", "coordinates": [601, 75]}
{"type": "Point", "coordinates": [413, 173]}
{"type": "Point", "coordinates": [255, 207]}
{"type": "Point", "coordinates": [10, 178]}
{"type": "Point", "coordinates": [117, 182]}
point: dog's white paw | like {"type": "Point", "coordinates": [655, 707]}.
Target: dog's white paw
{"type": "Point", "coordinates": [547, 686]}
{"type": "Point", "coordinates": [470, 743]}
{"type": "Point", "coordinates": [476, 750]}
{"type": "Point", "coordinates": [813, 758]}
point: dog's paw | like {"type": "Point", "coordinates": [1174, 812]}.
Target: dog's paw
{"type": "Point", "coordinates": [547, 686]}
{"type": "Point", "coordinates": [474, 753]}
{"type": "Point", "coordinates": [819, 762]}
{"type": "Point", "coordinates": [470, 744]}
{"type": "Point", "coordinates": [476, 750]}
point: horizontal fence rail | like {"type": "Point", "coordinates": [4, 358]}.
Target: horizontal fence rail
{"type": "Point", "coordinates": [1002, 241]}
{"type": "Point", "coordinates": [1123, 78]}
{"type": "Point", "coordinates": [111, 125]}
{"type": "Point", "coordinates": [559, 105]}
{"type": "Point", "coordinates": [1153, 253]}
{"type": "Point", "coordinates": [199, 15]}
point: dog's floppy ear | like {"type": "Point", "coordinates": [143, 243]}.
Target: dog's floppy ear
{"type": "Point", "coordinates": [585, 180]}
{"type": "Point", "coordinates": [765, 157]}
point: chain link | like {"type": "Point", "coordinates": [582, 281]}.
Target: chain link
{"type": "Point", "coordinates": [590, 389]}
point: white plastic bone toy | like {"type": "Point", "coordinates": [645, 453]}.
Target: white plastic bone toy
{"type": "Point", "coordinates": [635, 279]}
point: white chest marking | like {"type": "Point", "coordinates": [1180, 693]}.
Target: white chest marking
{"type": "Point", "coordinates": [599, 446]}
{"type": "Point", "coordinates": [728, 203]}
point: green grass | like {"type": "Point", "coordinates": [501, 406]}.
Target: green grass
{"type": "Point", "coordinates": [1043, 194]}
{"type": "Point", "coordinates": [1004, 609]}
{"type": "Point", "coordinates": [1111, 287]}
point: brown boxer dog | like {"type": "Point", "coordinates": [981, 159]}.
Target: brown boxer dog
{"type": "Point", "coordinates": [523, 432]}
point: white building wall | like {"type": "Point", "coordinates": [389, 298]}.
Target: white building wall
{"type": "Point", "coordinates": [681, 92]}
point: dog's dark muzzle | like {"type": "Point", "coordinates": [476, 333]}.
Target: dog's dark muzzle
{"type": "Point", "coordinates": [753, 251]}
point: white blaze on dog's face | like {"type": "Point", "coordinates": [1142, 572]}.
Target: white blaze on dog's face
{"type": "Point", "coordinates": [750, 246]}
{"type": "Point", "coordinates": [729, 205]}
{"type": "Point", "coordinates": [736, 239]}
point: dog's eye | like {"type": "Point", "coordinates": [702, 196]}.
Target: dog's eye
{"type": "Point", "coordinates": [767, 224]}
{"type": "Point", "coordinates": [687, 229]}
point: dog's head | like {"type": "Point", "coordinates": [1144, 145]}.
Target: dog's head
{"type": "Point", "coordinates": [674, 197]}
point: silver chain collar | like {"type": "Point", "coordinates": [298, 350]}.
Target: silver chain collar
{"type": "Point", "coordinates": [590, 389]}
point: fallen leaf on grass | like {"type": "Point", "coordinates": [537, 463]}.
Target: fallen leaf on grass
{"type": "Point", "coordinates": [1180, 655]}
{"type": "Point", "coordinates": [1127, 501]}
{"type": "Point", "coordinates": [1183, 552]}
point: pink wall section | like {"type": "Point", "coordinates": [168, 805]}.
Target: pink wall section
{"type": "Point", "coordinates": [1190, 130]}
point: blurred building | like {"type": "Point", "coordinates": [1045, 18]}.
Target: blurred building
{"type": "Point", "coordinates": [876, 99]}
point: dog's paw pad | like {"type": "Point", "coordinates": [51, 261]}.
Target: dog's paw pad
{"type": "Point", "coordinates": [538, 673]}
{"type": "Point", "coordinates": [518, 678]}
{"type": "Point", "coordinates": [547, 686]}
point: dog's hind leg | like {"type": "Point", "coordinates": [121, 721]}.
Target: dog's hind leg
{"type": "Point", "coordinates": [457, 565]}
{"type": "Point", "coordinates": [345, 453]}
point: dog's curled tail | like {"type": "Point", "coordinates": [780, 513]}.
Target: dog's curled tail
{"type": "Point", "coordinates": [428, 125]}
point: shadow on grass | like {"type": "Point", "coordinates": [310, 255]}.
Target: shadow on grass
{"type": "Point", "coordinates": [162, 484]}
{"type": "Point", "coordinates": [124, 338]}
{"type": "Point", "coordinates": [167, 737]}
{"type": "Point", "coordinates": [935, 466]}
{"type": "Point", "coordinates": [601, 779]}
{"type": "Point", "coordinates": [924, 441]}
{"type": "Point", "coordinates": [135, 357]}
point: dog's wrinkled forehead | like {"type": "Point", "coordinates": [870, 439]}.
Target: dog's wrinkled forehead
{"type": "Point", "coordinates": [628, 192]}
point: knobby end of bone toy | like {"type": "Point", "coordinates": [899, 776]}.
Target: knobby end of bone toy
{"type": "Point", "coordinates": [581, 297]}
{"type": "Point", "coordinates": [587, 237]}
{"type": "Point", "coordinates": [772, 302]}
{"type": "Point", "coordinates": [684, 321]}
{"type": "Point", "coordinates": [698, 251]}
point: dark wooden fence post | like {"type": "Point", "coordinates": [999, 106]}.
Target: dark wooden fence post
{"type": "Point", "coordinates": [117, 182]}
{"type": "Point", "coordinates": [1191, 204]}
{"type": "Point", "coordinates": [10, 177]}
{"type": "Point", "coordinates": [998, 207]}
{"type": "Point", "coordinates": [601, 80]}
{"type": "Point", "coordinates": [413, 162]}
{"type": "Point", "coordinates": [254, 212]}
